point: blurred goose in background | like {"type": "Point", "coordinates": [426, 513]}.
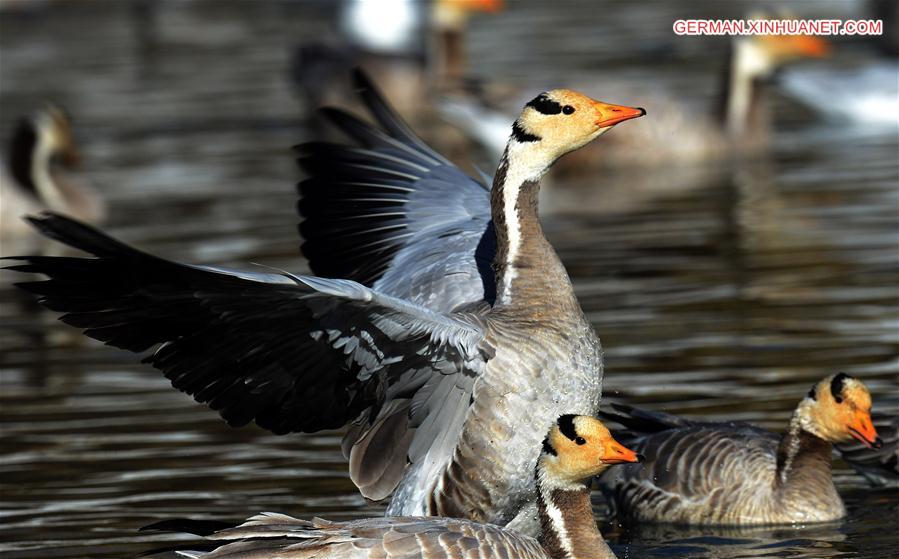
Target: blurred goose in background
{"type": "Point", "coordinates": [880, 466]}
{"type": "Point", "coordinates": [576, 448]}
{"type": "Point", "coordinates": [40, 144]}
{"type": "Point", "coordinates": [407, 44]}
{"type": "Point", "coordinates": [733, 473]}
{"type": "Point", "coordinates": [452, 341]}
{"type": "Point", "coordinates": [682, 132]}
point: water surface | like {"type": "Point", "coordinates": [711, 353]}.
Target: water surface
{"type": "Point", "coordinates": [718, 291]}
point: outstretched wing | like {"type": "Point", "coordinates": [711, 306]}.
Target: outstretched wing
{"type": "Point", "coordinates": [392, 213]}
{"type": "Point", "coordinates": [292, 353]}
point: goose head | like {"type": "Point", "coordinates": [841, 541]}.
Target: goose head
{"type": "Point", "coordinates": [453, 14]}
{"type": "Point", "coordinates": [783, 49]}
{"type": "Point", "coordinates": [838, 409]}
{"type": "Point", "coordinates": [560, 121]}
{"type": "Point", "coordinates": [577, 448]}
{"type": "Point", "coordinates": [760, 56]}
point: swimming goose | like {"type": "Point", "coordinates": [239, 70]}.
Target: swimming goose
{"type": "Point", "coordinates": [576, 448]}
{"type": "Point", "coordinates": [736, 474]}
{"type": "Point", "coordinates": [31, 182]}
{"type": "Point", "coordinates": [449, 369]}
{"type": "Point", "coordinates": [411, 46]}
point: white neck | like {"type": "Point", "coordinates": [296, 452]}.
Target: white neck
{"type": "Point", "coordinates": [44, 184]}
{"type": "Point", "coordinates": [566, 515]}
{"type": "Point", "coordinates": [801, 425]}
{"type": "Point", "coordinates": [749, 63]}
{"type": "Point", "coordinates": [524, 162]}
{"type": "Point", "coordinates": [792, 448]}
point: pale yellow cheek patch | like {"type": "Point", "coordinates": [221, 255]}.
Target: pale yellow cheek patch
{"type": "Point", "coordinates": [833, 419]}
{"type": "Point", "coordinates": [857, 395]}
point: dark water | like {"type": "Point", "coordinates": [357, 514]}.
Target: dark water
{"type": "Point", "coordinates": [718, 292]}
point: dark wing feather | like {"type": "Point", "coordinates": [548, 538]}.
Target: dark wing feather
{"type": "Point", "coordinates": [639, 422]}
{"type": "Point", "coordinates": [289, 352]}
{"type": "Point", "coordinates": [392, 213]}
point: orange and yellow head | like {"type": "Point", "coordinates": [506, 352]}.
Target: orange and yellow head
{"type": "Point", "coordinates": [838, 409]}
{"type": "Point", "coordinates": [454, 14]}
{"type": "Point", "coordinates": [579, 447]}
{"type": "Point", "coordinates": [561, 120]}
{"type": "Point", "coordinates": [783, 49]}
{"type": "Point", "coordinates": [778, 50]}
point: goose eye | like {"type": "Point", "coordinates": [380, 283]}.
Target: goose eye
{"type": "Point", "coordinates": [580, 441]}
{"type": "Point", "coordinates": [568, 109]}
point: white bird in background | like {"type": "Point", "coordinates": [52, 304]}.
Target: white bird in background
{"type": "Point", "coordinates": [866, 95]}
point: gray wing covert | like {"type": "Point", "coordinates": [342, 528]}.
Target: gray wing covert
{"type": "Point", "coordinates": [392, 213]}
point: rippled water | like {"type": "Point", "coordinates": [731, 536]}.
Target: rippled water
{"type": "Point", "coordinates": [718, 292]}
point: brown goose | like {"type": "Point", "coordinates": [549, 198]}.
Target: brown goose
{"type": "Point", "coordinates": [576, 448]}
{"type": "Point", "coordinates": [736, 474]}
{"type": "Point", "coordinates": [31, 183]}
{"type": "Point", "coordinates": [449, 369]}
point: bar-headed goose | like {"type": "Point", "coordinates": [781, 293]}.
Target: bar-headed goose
{"type": "Point", "coordinates": [39, 145]}
{"type": "Point", "coordinates": [452, 339]}
{"type": "Point", "coordinates": [576, 448]}
{"type": "Point", "coordinates": [737, 474]}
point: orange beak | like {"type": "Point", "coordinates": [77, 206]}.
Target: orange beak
{"type": "Point", "coordinates": [616, 453]}
{"type": "Point", "coordinates": [610, 115]}
{"type": "Point", "coordinates": [811, 46]}
{"type": "Point", "coordinates": [492, 6]}
{"type": "Point", "coordinates": [863, 430]}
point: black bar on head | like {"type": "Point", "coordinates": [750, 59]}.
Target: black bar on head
{"type": "Point", "coordinates": [545, 105]}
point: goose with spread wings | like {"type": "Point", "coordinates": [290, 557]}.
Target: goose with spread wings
{"type": "Point", "coordinates": [450, 343]}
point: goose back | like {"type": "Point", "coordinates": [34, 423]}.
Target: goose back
{"type": "Point", "coordinates": [266, 535]}
{"type": "Point", "coordinates": [719, 473]}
